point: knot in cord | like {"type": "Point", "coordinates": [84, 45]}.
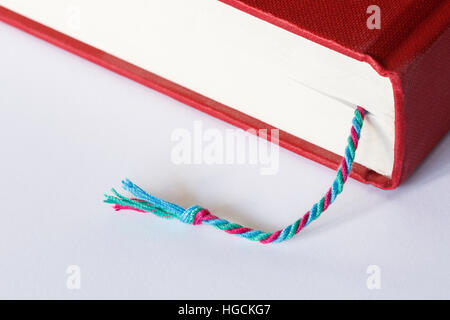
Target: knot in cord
{"type": "Point", "coordinates": [192, 215]}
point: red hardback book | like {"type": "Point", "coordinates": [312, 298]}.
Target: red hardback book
{"type": "Point", "coordinates": [411, 49]}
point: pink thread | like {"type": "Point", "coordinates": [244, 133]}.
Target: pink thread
{"type": "Point", "coordinates": [118, 207]}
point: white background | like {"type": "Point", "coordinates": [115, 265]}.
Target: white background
{"type": "Point", "coordinates": [70, 130]}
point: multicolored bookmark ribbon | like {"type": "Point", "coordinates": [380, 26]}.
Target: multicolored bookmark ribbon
{"type": "Point", "coordinates": [196, 215]}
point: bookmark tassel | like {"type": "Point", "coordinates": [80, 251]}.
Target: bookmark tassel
{"type": "Point", "coordinates": [196, 215]}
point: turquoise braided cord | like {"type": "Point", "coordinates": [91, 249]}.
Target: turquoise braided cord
{"type": "Point", "coordinates": [144, 202]}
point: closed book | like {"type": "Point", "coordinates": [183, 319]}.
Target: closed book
{"type": "Point", "coordinates": [299, 66]}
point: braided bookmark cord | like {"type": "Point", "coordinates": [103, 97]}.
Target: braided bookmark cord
{"type": "Point", "coordinates": [144, 202]}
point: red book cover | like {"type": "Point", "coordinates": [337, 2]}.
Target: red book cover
{"type": "Point", "coordinates": [411, 49]}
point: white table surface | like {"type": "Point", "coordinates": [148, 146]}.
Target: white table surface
{"type": "Point", "coordinates": [71, 130]}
